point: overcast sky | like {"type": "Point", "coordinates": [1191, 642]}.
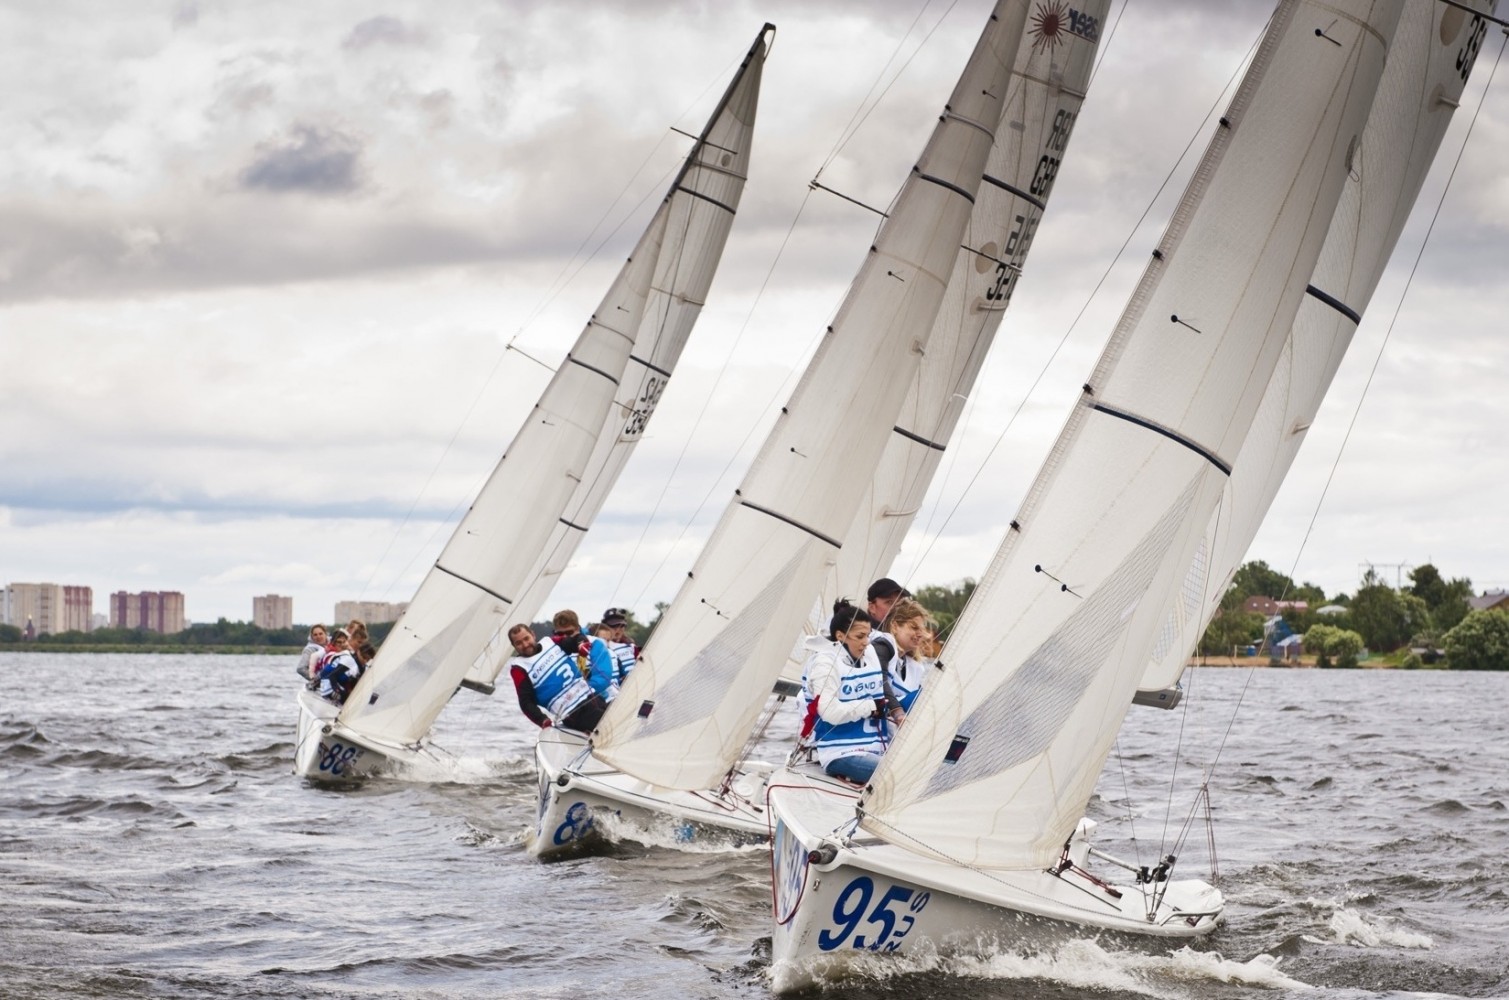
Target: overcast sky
{"type": "Point", "coordinates": [260, 265]}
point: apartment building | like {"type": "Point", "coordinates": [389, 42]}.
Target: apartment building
{"type": "Point", "coordinates": [272, 611]}
{"type": "Point", "coordinates": [158, 611]}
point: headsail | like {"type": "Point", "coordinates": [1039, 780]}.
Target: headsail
{"type": "Point", "coordinates": [695, 235]}
{"type": "Point", "coordinates": [1048, 84]}
{"type": "Point", "coordinates": [562, 458]}
{"type": "Point", "coordinates": [686, 711]}
{"type": "Point", "coordinates": [999, 757]}
{"type": "Point", "coordinates": [1427, 69]}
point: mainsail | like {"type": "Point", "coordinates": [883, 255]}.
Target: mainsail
{"type": "Point", "coordinates": [1049, 80]}
{"type": "Point", "coordinates": [572, 446]}
{"type": "Point", "coordinates": [999, 757]}
{"type": "Point", "coordinates": [1427, 69]}
{"type": "Point", "coordinates": [687, 709]}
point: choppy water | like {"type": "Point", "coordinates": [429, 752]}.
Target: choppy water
{"type": "Point", "coordinates": [154, 844]}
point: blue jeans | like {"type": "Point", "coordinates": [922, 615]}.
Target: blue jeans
{"type": "Point", "coordinates": [856, 767]}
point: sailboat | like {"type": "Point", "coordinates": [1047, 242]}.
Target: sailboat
{"type": "Point", "coordinates": [553, 478]}
{"type": "Point", "coordinates": [882, 393]}
{"type": "Point", "coordinates": [970, 834]}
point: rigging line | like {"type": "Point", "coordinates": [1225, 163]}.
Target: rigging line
{"type": "Point", "coordinates": [1398, 306]}
{"type": "Point", "coordinates": [922, 557]}
{"type": "Point", "coordinates": [971, 409]}
{"type": "Point", "coordinates": [558, 284]}
{"type": "Point", "coordinates": [707, 402]}
{"type": "Point", "coordinates": [1168, 806]}
{"type": "Point", "coordinates": [1126, 792]}
{"type": "Point", "coordinates": [862, 113]}
{"type": "Point", "coordinates": [1105, 47]}
{"type": "Point", "coordinates": [1235, 709]}
{"type": "Point", "coordinates": [563, 279]}
{"type": "Point", "coordinates": [677, 265]}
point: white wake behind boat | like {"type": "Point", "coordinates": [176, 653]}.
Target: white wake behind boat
{"type": "Point", "coordinates": [550, 483]}
{"type": "Point", "coordinates": [803, 520]}
{"type": "Point", "coordinates": [969, 837]}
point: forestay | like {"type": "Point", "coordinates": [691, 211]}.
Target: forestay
{"type": "Point", "coordinates": [701, 207]}
{"type": "Point", "coordinates": [1428, 64]}
{"type": "Point", "coordinates": [998, 759]}
{"type": "Point", "coordinates": [1049, 79]}
{"type": "Point", "coordinates": [687, 709]}
{"type": "Point", "coordinates": [473, 590]}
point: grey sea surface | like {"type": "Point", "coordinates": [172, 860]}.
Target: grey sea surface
{"type": "Point", "coordinates": [154, 843]}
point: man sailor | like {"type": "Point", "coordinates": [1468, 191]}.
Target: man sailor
{"type": "Point", "coordinates": [592, 656]}
{"type": "Point", "coordinates": [882, 596]}
{"type": "Point", "coordinates": [625, 654]}
{"type": "Point", "coordinates": [547, 680]}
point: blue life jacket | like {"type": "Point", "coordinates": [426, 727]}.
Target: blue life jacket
{"type": "Point", "coordinates": [559, 687]}
{"type": "Point", "coordinates": [624, 660]}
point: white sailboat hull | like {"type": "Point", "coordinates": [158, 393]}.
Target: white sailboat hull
{"type": "Point", "coordinates": [854, 899]}
{"type": "Point", "coordinates": [329, 753]}
{"type": "Point", "coordinates": [585, 804]}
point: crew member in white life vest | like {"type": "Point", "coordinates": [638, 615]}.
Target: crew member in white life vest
{"type": "Point", "coordinates": [901, 648]}
{"type": "Point", "coordinates": [547, 679]}
{"type": "Point", "coordinates": [849, 712]}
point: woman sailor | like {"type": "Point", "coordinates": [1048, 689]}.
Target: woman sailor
{"type": "Point", "coordinates": [900, 647]}
{"type": "Point", "coordinates": [849, 709]}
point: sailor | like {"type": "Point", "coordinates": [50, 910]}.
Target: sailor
{"type": "Point", "coordinates": [316, 645]}
{"type": "Point", "coordinates": [625, 653]}
{"type": "Point", "coordinates": [849, 713]}
{"type": "Point", "coordinates": [338, 644]}
{"type": "Point", "coordinates": [900, 648]}
{"type": "Point", "coordinates": [883, 593]}
{"type": "Point", "coordinates": [340, 672]}
{"type": "Point", "coordinates": [547, 680]}
{"type": "Point", "coordinates": [592, 656]}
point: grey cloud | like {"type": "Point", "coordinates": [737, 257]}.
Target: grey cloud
{"type": "Point", "coordinates": [312, 159]}
{"type": "Point", "coordinates": [186, 15]}
{"type": "Point", "coordinates": [383, 31]}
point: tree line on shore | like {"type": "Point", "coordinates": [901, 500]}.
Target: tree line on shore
{"type": "Point", "coordinates": [1431, 622]}
{"type": "Point", "coordinates": [1431, 618]}
{"type": "Point", "coordinates": [219, 633]}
